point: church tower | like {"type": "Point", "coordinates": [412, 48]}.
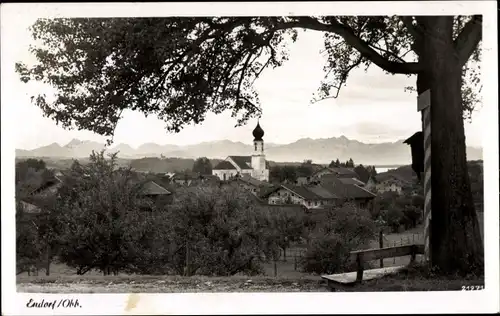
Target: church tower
{"type": "Point", "coordinates": [260, 171]}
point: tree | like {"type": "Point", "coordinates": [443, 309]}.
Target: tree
{"type": "Point", "coordinates": [393, 216]}
{"type": "Point", "coordinates": [99, 220]}
{"type": "Point", "coordinates": [180, 68]}
{"type": "Point", "coordinates": [202, 166]}
{"type": "Point", "coordinates": [305, 169]}
{"type": "Point", "coordinates": [284, 228]}
{"type": "Point", "coordinates": [343, 230]}
{"type": "Point", "coordinates": [31, 174]}
{"type": "Point", "coordinates": [281, 174]}
{"type": "Point", "coordinates": [23, 167]}
{"type": "Point", "coordinates": [362, 173]}
{"type": "Point", "coordinates": [350, 163]}
{"type": "Point", "coordinates": [29, 247]}
{"type": "Point", "coordinates": [215, 231]}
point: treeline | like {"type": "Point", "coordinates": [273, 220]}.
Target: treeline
{"type": "Point", "coordinates": [290, 173]}
{"type": "Point", "coordinates": [98, 220]}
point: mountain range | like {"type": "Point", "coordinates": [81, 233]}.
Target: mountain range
{"type": "Point", "coordinates": [321, 150]}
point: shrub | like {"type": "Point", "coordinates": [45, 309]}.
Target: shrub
{"type": "Point", "coordinates": [29, 247]}
{"type": "Point", "coordinates": [99, 218]}
{"type": "Point", "coordinates": [393, 218]}
{"type": "Point", "coordinates": [215, 231]}
{"type": "Point", "coordinates": [346, 229]}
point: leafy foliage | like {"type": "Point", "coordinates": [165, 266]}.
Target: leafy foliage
{"type": "Point", "coordinates": [180, 68]}
{"type": "Point", "coordinates": [202, 166]}
{"type": "Point", "coordinates": [214, 231]}
{"type": "Point", "coordinates": [99, 216]}
{"type": "Point", "coordinates": [29, 247]}
{"type": "Point", "coordinates": [344, 230]}
{"type": "Point", "coordinates": [282, 228]}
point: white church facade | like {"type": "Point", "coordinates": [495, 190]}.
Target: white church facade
{"type": "Point", "coordinates": [255, 165]}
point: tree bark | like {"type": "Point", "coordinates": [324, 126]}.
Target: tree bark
{"type": "Point", "coordinates": [456, 244]}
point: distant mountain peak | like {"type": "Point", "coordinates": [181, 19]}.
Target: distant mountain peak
{"type": "Point", "coordinates": [74, 142]}
{"type": "Point", "coordinates": [321, 150]}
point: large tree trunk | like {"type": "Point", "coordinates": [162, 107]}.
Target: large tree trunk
{"type": "Point", "coordinates": [456, 244]}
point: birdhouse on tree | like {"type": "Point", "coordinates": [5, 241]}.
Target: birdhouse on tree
{"type": "Point", "coordinates": [416, 143]}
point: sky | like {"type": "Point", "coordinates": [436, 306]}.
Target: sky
{"type": "Point", "coordinates": [373, 107]}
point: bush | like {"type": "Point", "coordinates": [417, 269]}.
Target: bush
{"type": "Point", "coordinates": [345, 229]}
{"type": "Point", "coordinates": [29, 246]}
{"type": "Point", "coordinates": [393, 217]}
{"type": "Point", "coordinates": [215, 231]}
{"type": "Point", "coordinates": [100, 222]}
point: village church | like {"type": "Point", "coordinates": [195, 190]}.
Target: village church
{"type": "Point", "coordinates": [254, 166]}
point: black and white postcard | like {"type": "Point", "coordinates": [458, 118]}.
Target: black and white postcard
{"type": "Point", "coordinates": [249, 158]}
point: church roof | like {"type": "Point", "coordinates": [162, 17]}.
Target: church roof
{"type": "Point", "coordinates": [224, 165]}
{"type": "Point", "coordinates": [244, 162]}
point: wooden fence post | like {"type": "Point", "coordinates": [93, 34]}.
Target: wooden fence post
{"type": "Point", "coordinates": [381, 245]}
{"type": "Point", "coordinates": [275, 268]}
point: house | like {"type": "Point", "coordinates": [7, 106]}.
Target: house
{"type": "Point", "coordinates": [389, 186]}
{"type": "Point", "coordinates": [255, 165]}
{"type": "Point", "coordinates": [390, 182]}
{"type": "Point", "coordinates": [330, 191]}
{"type": "Point", "coordinates": [256, 187]}
{"type": "Point", "coordinates": [306, 196]}
{"type": "Point", "coordinates": [152, 189]}
{"type": "Point", "coordinates": [340, 172]}
{"type": "Point", "coordinates": [347, 190]}
{"type": "Point", "coordinates": [50, 186]}
{"type": "Point", "coordinates": [186, 178]}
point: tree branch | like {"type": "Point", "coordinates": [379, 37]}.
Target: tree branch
{"type": "Point", "coordinates": [414, 32]}
{"type": "Point", "coordinates": [469, 38]}
{"type": "Point", "coordinates": [350, 37]}
{"type": "Point", "coordinates": [388, 52]}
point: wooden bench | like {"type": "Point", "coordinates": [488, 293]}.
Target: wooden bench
{"type": "Point", "coordinates": [362, 256]}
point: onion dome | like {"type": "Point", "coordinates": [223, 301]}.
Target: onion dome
{"type": "Point", "coordinates": [258, 132]}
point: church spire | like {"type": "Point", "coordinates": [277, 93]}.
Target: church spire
{"type": "Point", "coordinates": [258, 132]}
